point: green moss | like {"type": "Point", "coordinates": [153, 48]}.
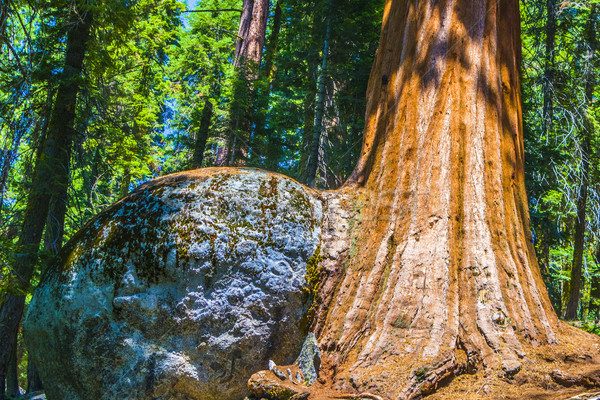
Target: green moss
{"type": "Point", "coordinates": [313, 280]}
{"type": "Point", "coordinates": [313, 271]}
{"type": "Point", "coordinates": [152, 233]}
{"type": "Point", "coordinates": [421, 373]}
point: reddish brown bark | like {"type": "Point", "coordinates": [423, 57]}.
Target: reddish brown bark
{"type": "Point", "coordinates": [430, 270]}
{"type": "Point", "coordinates": [247, 58]}
{"type": "Point", "coordinates": [251, 33]}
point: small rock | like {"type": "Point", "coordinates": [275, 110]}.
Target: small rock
{"type": "Point", "coordinates": [299, 377]}
{"type": "Point", "coordinates": [486, 389]}
{"type": "Point", "coordinates": [261, 386]}
{"type": "Point", "coordinates": [309, 360]}
{"type": "Point", "coordinates": [272, 365]}
{"type": "Point", "coordinates": [279, 373]}
{"type": "Point", "coordinates": [289, 371]}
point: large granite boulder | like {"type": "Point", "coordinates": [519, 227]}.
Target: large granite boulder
{"type": "Point", "coordinates": [182, 290]}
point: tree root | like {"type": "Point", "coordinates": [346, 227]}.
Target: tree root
{"type": "Point", "coordinates": [360, 396]}
{"type": "Point", "coordinates": [568, 380]}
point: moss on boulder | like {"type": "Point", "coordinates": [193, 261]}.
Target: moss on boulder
{"type": "Point", "coordinates": [181, 290]}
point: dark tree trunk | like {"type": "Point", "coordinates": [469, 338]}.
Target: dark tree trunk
{"type": "Point", "coordinates": [7, 157]}
{"type": "Point", "coordinates": [3, 19]}
{"type": "Point", "coordinates": [5, 161]}
{"type": "Point", "coordinates": [580, 223]}
{"type": "Point", "coordinates": [202, 135]}
{"type": "Point", "coordinates": [125, 182]}
{"type": "Point", "coordinates": [313, 159]}
{"type": "Point", "coordinates": [34, 383]}
{"type": "Point", "coordinates": [308, 124]}
{"type": "Point", "coordinates": [92, 179]}
{"type": "Point", "coordinates": [55, 222]}
{"type": "Point", "coordinates": [272, 146]}
{"type": "Point", "coordinates": [548, 83]}
{"type": "Point", "coordinates": [51, 174]}
{"type": "Point", "coordinates": [12, 376]}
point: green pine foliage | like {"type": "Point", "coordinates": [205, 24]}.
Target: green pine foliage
{"type": "Point", "coordinates": [554, 158]}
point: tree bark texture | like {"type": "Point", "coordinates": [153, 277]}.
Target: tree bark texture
{"type": "Point", "coordinates": [246, 60]}
{"type": "Point", "coordinates": [55, 222]}
{"type": "Point", "coordinates": [50, 176]}
{"type": "Point", "coordinates": [438, 274]}
{"type": "Point", "coordinates": [34, 383]}
{"type": "Point", "coordinates": [548, 83]}
{"type": "Point", "coordinates": [272, 145]}
{"type": "Point", "coordinates": [313, 159]}
{"type": "Point", "coordinates": [12, 376]}
{"type": "Point", "coordinates": [7, 156]}
{"type": "Point", "coordinates": [251, 32]}
{"type": "Point", "coordinates": [202, 135]}
{"type": "Point", "coordinates": [580, 223]}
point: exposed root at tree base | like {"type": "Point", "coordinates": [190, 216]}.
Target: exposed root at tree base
{"type": "Point", "coordinates": [569, 369]}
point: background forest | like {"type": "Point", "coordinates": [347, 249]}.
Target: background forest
{"type": "Point", "coordinates": [143, 88]}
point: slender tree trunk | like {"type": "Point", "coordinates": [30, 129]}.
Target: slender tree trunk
{"type": "Point", "coordinates": [313, 160]}
{"type": "Point", "coordinates": [432, 271]}
{"type": "Point", "coordinates": [548, 83]}
{"type": "Point", "coordinates": [125, 182]}
{"type": "Point", "coordinates": [34, 383]}
{"type": "Point", "coordinates": [247, 58]}
{"type": "Point", "coordinates": [50, 175]}
{"type": "Point", "coordinates": [272, 145]}
{"type": "Point", "coordinates": [595, 289]}
{"type": "Point", "coordinates": [7, 159]}
{"type": "Point", "coordinates": [202, 135]}
{"type": "Point", "coordinates": [12, 376]}
{"type": "Point", "coordinates": [575, 284]}
{"type": "Point", "coordinates": [92, 179]}
{"type": "Point", "coordinates": [580, 223]}
{"type": "Point", "coordinates": [251, 33]}
{"type": "Point", "coordinates": [308, 123]}
{"type": "Point", "coordinates": [3, 19]}
{"type": "Point", "coordinates": [55, 222]}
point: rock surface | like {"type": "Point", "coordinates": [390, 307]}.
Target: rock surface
{"type": "Point", "coordinates": [181, 290]}
{"type": "Point", "coordinates": [309, 360]}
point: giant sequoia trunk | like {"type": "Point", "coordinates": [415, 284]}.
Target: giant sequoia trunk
{"type": "Point", "coordinates": [432, 272]}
